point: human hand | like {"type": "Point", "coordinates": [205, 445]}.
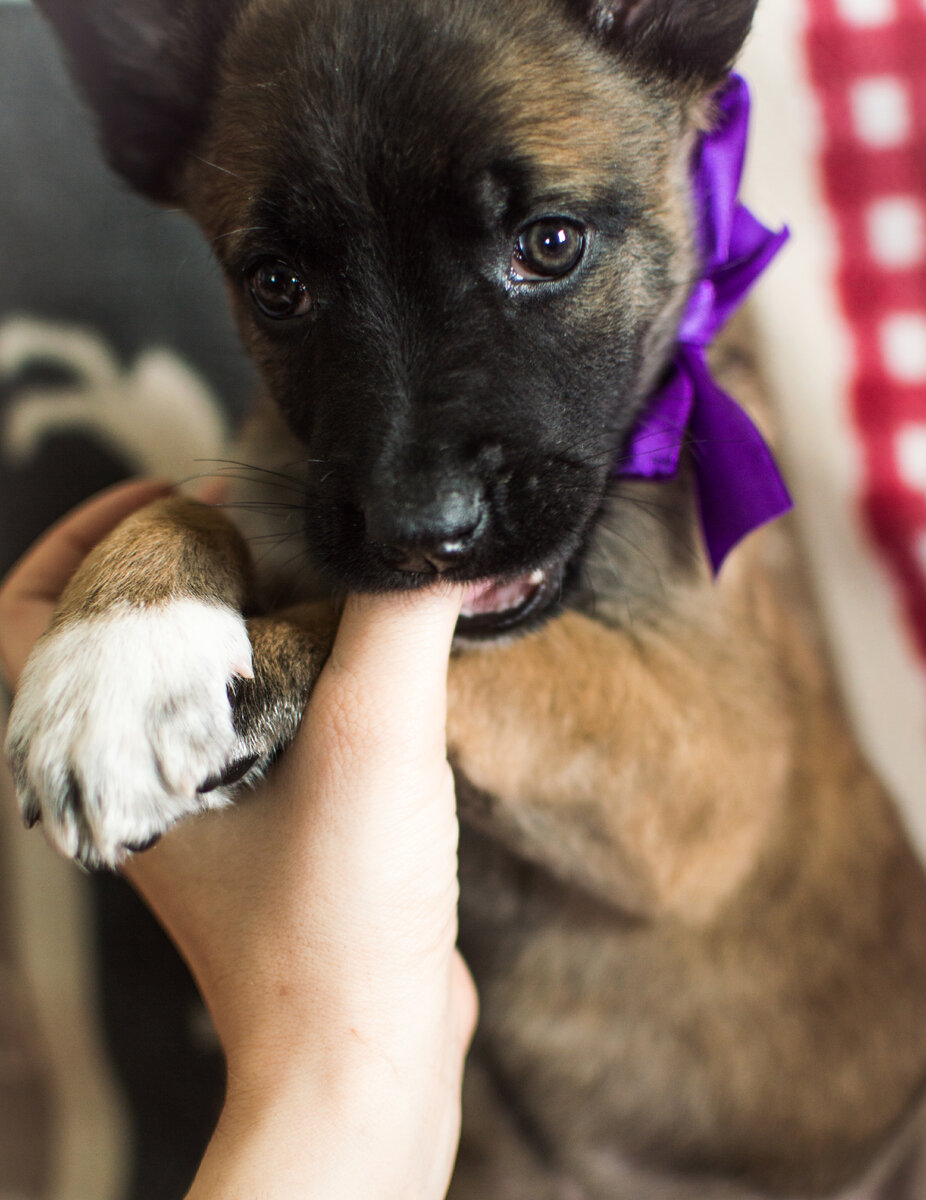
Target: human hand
{"type": "Point", "coordinates": [318, 915]}
{"type": "Point", "coordinates": [319, 918]}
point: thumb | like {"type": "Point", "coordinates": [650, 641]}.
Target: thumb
{"type": "Point", "coordinates": [388, 669]}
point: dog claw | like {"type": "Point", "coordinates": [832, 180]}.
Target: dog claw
{"type": "Point", "coordinates": [235, 773]}
{"type": "Point", "coordinates": [32, 814]}
{"type": "Point", "coordinates": [141, 847]}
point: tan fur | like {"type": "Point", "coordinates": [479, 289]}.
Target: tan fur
{"type": "Point", "coordinates": [782, 910]}
{"type": "Point", "coordinates": [290, 649]}
{"type": "Point", "coordinates": [621, 754]}
{"type": "Point", "coordinates": [172, 549]}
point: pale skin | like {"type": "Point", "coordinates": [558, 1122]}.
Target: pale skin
{"type": "Point", "coordinates": [318, 915]}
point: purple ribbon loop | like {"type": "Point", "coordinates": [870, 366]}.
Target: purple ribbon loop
{"type": "Point", "coordinates": [737, 481]}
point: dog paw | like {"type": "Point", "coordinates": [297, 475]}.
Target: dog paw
{"type": "Point", "coordinates": [123, 724]}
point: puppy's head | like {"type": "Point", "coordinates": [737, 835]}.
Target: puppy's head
{"type": "Point", "coordinates": [457, 235]}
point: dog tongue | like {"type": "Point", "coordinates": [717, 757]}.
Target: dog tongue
{"type": "Point", "coordinates": [493, 596]}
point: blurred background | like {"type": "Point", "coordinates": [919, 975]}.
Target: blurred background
{"type": "Point", "coordinates": [117, 357]}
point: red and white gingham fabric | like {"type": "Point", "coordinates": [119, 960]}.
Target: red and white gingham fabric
{"type": "Point", "coordinates": [839, 153]}
{"type": "Point", "coordinates": [867, 62]}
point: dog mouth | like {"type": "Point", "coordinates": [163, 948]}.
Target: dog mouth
{"type": "Point", "coordinates": [496, 605]}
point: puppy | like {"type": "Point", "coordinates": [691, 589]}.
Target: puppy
{"type": "Point", "coordinates": [458, 237]}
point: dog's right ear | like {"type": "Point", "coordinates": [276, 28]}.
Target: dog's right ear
{"type": "Point", "coordinates": [691, 40]}
{"type": "Point", "coordinates": [147, 67]}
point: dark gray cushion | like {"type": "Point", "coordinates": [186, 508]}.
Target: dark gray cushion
{"type": "Point", "coordinates": [77, 246]}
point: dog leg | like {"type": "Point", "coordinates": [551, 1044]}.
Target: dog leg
{"type": "Point", "coordinates": [143, 702]}
{"type": "Point", "coordinates": [289, 649]}
{"type": "Point", "coordinates": [746, 997]}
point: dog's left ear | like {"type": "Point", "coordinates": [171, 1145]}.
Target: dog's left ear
{"type": "Point", "coordinates": [147, 68]}
{"type": "Point", "coordinates": [691, 40]}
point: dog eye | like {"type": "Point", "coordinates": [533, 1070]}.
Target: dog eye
{"type": "Point", "coordinates": [548, 249]}
{"type": "Point", "coordinates": [277, 290]}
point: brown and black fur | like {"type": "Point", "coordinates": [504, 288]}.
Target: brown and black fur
{"type": "Point", "coordinates": [696, 924]}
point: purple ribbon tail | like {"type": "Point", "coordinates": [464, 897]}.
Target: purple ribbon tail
{"type": "Point", "coordinates": [739, 486]}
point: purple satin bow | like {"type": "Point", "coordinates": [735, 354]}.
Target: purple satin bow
{"type": "Point", "coordinates": [737, 481]}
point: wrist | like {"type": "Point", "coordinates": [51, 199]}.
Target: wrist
{"type": "Point", "coordinates": [326, 1137]}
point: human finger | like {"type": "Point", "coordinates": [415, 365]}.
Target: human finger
{"type": "Point", "coordinates": [211, 489]}
{"type": "Point", "coordinates": [387, 674]}
{"type": "Point", "coordinates": [465, 1000]}
{"type": "Point", "coordinates": [31, 589]}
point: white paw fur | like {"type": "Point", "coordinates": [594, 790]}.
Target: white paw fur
{"type": "Point", "coordinates": [121, 717]}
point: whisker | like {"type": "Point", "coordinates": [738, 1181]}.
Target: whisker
{"type": "Point", "coordinates": [260, 506]}
{"type": "Point", "coordinates": [643, 554]}
{"type": "Point", "coordinates": [234, 232]}
{"type": "Point", "coordinates": [279, 538]}
{"type": "Point", "coordinates": [230, 462]}
{"type": "Point", "coordinates": [300, 554]}
{"type": "Point", "coordinates": [215, 166]}
{"type": "Point", "coordinates": [680, 537]}
{"type": "Point", "coordinates": [295, 489]}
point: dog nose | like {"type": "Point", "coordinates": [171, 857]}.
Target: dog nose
{"type": "Point", "coordinates": [430, 536]}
